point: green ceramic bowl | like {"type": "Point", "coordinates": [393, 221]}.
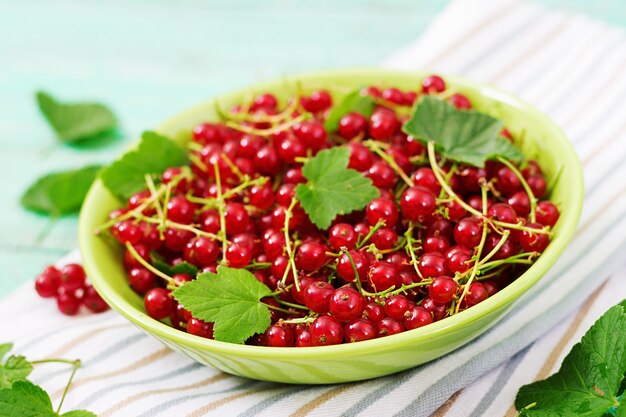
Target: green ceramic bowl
{"type": "Point", "coordinates": [349, 362]}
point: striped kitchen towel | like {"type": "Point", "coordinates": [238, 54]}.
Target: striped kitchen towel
{"type": "Point", "coordinates": [568, 66]}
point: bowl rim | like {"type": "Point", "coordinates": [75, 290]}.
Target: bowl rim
{"type": "Point", "coordinates": [504, 297]}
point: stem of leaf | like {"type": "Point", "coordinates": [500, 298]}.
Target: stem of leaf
{"type": "Point", "coordinates": [76, 364]}
{"type": "Point", "coordinates": [375, 147]}
{"type": "Point", "coordinates": [149, 267]}
{"type": "Point", "coordinates": [529, 191]}
{"type": "Point", "coordinates": [290, 250]}
{"type": "Point", "coordinates": [220, 209]}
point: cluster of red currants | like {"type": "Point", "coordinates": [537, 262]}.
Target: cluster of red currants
{"type": "Point", "coordinates": [415, 255]}
{"type": "Point", "coordinates": [70, 288]}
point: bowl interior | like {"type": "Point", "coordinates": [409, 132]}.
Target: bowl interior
{"type": "Point", "coordinates": [540, 140]}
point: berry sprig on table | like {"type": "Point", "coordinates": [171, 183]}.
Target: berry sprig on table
{"type": "Point", "coordinates": [71, 289]}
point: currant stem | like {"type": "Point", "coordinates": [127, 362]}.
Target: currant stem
{"type": "Point", "coordinates": [529, 191]}
{"type": "Point", "coordinates": [375, 147]}
{"type": "Point", "coordinates": [282, 310]}
{"type": "Point", "coordinates": [258, 265]}
{"type": "Point", "coordinates": [409, 247]}
{"type": "Point", "coordinates": [132, 213]}
{"type": "Point", "coordinates": [479, 250]}
{"type": "Point", "coordinates": [220, 209]}
{"type": "Point", "coordinates": [270, 131]}
{"type": "Point", "coordinates": [378, 225]}
{"type": "Point", "coordinates": [149, 267]}
{"type": "Point", "coordinates": [290, 251]}
{"type": "Point", "coordinates": [76, 364]}
{"type": "Point", "coordinates": [357, 278]}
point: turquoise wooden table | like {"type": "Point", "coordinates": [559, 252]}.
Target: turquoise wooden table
{"type": "Point", "coordinates": [148, 59]}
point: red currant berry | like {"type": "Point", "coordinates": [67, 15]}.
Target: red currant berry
{"type": "Point", "coordinates": [426, 178]}
{"type": "Point", "coordinates": [437, 310]}
{"type": "Point", "coordinates": [507, 182]}
{"type": "Point", "coordinates": [265, 101]}
{"type": "Point", "coordinates": [537, 185]}
{"type": "Point", "coordinates": [533, 242]}
{"type": "Point", "coordinates": [361, 159]}
{"type": "Point", "coordinates": [279, 336]}
{"type": "Point", "coordinates": [358, 330]}
{"type": "Point", "coordinates": [460, 101]}
{"type": "Point", "coordinates": [382, 175]}
{"type": "Point", "coordinates": [310, 256]}
{"type": "Point", "coordinates": [433, 84]}
{"type": "Point", "coordinates": [236, 218]}
{"type": "Point", "coordinates": [202, 251]}
{"type": "Point", "coordinates": [520, 203]}
{"type": "Point", "coordinates": [547, 213]}
{"type": "Point", "coordinates": [442, 289]}
{"type": "Point", "coordinates": [346, 304]}
{"type": "Point", "coordinates": [417, 204]}
{"type": "Point", "coordinates": [47, 284]}
{"type": "Point", "coordinates": [477, 293]}
{"type": "Point", "coordinates": [458, 259]}
{"type": "Point", "coordinates": [397, 306]}
{"type": "Point", "coordinates": [326, 330]}
{"type": "Point", "coordinates": [436, 244]}
{"type": "Point", "coordinates": [384, 238]}
{"type": "Point", "coordinates": [261, 196]}
{"type": "Point", "coordinates": [468, 232]}
{"type": "Point", "coordinates": [93, 301]}
{"type": "Point", "coordinates": [389, 326]}
{"type": "Point", "coordinates": [383, 124]}
{"type": "Point", "coordinates": [382, 209]}
{"type": "Point", "coordinates": [158, 303]}
{"type": "Point", "coordinates": [373, 312]}
{"type": "Point", "coordinates": [383, 275]}
{"type": "Point", "coordinates": [141, 280]}
{"type": "Point", "coordinates": [416, 317]}
{"type": "Point", "coordinates": [238, 255]}
{"type": "Point", "coordinates": [200, 328]}
{"type": "Point", "coordinates": [502, 212]}
{"type": "Point", "coordinates": [342, 235]}
{"type": "Point", "coordinates": [432, 264]}
{"type": "Point", "coordinates": [207, 133]}
{"type": "Point", "coordinates": [68, 303]}
{"type": "Point", "coordinates": [345, 269]}
{"type": "Point", "coordinates": [72, 277]}
{"type": "Point", "coordinates": [352, 125]}
{"type": "Point", "coordinates": [317, 296]}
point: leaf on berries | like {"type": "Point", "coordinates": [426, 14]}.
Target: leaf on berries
{"type": "Point", "coordinates": [589, 378]}
{"type": "Point", "coordinates": [332, 188]}
{"type": "Point", "coordinates": [75, 121]}
{"type": "Point", "coordinates": [230, 299]}
{"type": "Point", "coordinates": [60, 192]}
{"type": "Point", "coordinates": [353, 102]}
{"type": "Point", "coordinates": [183, 267]}
{"type": "Point", "coordinates": [155, 153]}
{"type": "Point", "coordinates": [25, 399]}
{"type": "Point", "coordinates": [15, 368]}
{"type": "Point", "coordinates": [465, 136]}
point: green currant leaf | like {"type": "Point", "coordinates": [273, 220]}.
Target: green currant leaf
{"type": "Point", "coordinates": [61, 192]}
{"type": "Point", "coordinates": [183, 267]}
{"type": "Point", "coordinates": [79, 413]}
{"type": "Point", "coordinates": [465, 136]}
{"type": "Point", "coordinates": [75, 121]}
{"type": "Point", "coordinates": [332, 188]}
{"type": "Point", "coordinates": [154, 154]}
{"type": "Point", "coordinates": [230, 299]}
{"type": "Point", "coordinates": [353, 102]}
{"type": "Point", "coordinates": [25, 399]}
{"type": "Point", "coordinates": [589, 378]}
{"type": "Point", "coordinates": [15, 368]}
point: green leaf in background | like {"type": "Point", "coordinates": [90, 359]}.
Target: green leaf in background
{"type": "Point", "coordinates": [332, 188]}
{"type": "Point", "coordinates": [155, 153]}
{"type": "Point", "coordinates": [14, 368]}
{"type": "Point", "coordinates": [75, 121]}
{"type": "Point", "coordinates": [61, 192]}
{"type": "Point", "coordinates": [353, 102]}
{"type": "Point", "coordinates": [465, 136]}
{"type": "Point", "coordinates": [25, 399]}
{"type": "Point", "coordinates": [590, 376]}
{"type": "Point", "coordinates": [230, 299]}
